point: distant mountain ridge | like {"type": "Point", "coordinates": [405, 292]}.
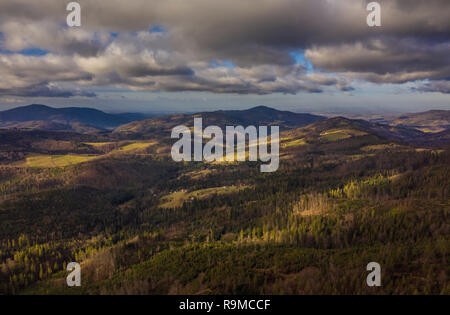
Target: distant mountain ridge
{"type": "Point", "coordinates": [257, 116]}
{"type": "Point", "coordinates": [79, 119]}
{"type": "Point", "coordinates": [432, 121]}
{"type": "Point", "coordinates": [427, 129]}
{"type": "Point", "coordinates": [397, 134]}
{"type": "Point", "coordinates": [161, 127]}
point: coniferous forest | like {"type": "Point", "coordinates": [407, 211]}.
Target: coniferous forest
{"type": "Point", "coordinates": [347, 193]}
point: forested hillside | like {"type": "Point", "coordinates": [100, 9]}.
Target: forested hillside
{"type": "Point", "coordinates": [347, 192]}
{"type": "Point", "coordinates": [42, 117]}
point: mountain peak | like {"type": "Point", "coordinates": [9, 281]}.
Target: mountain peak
{"type": "Point", "coordinates": [32, 108]}
{"type": "Point", "coordinates": [262, 108]}
{"type": "Point", "coordinates": [36, 106]}
{"type": "Point", "coordinates": [69, 116]}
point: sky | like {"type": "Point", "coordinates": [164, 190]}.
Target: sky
{"type": "Point", "coordinates": [164, 56]}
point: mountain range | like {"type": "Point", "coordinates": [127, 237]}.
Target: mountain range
{"type": "Point", "coordinates": [78, 119]}
{"type": "Point", "coordinates": [429, 121]}
{"type": "Point", "coordinates": [257, 116]}
{"type": "Point", "coordinates": [43, 117]}
{"type": "Point", "coordinates": [347, 192]}
{"type": "Point", "coordinates": [427, 129]}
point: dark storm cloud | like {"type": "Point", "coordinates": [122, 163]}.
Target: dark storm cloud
{"type": "Point", "coordinates": [45, 90]}
{"type": "Point", "coordinates": [143, 71]}
{"type": "Point", "coordinates": [386, 59]}
{"type": "Point", "coordinates": [256, 36]}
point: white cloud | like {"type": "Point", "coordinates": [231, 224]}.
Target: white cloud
{"type": "Point", "coordinates": [256, 37]}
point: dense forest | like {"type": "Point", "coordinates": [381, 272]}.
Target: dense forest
{"type": "Point", "coordinates": [139, 223]}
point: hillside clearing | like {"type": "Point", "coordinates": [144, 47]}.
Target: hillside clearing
{"type": "Point", "coordinates": [176, 199]}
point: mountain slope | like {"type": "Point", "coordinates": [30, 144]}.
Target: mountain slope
{"type": "Point", "coordinates": [263, 116]}
{"type": "Point", "coordinates": [140, 223]}
{"type": "Point", "coordinates": [69, 119]}
{"type": "Point", "coordinates": [335, 124]}
{"type": "Point", "coordinates": [429, 121]}
{"type": "Point", "coordinates": [433, 140]}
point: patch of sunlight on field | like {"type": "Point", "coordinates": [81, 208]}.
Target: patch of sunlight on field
{"type": "Point", "coordinates": [357, 157]}
{"type": "Point", "coordinates": [234, 161]}
{"type": "Point", "coordinates": [176, 199]}
{"type": "Point", "coordinates": [378, 147]}
{"type": "Point", "coordinates": [294, 143]}
{"type": "Point", "coordinates": [394, 177]}
{"type": "Point", "coordinates": [430, 130]}
{"type": "Point", "coordinates": [429, 150]}
{"type": "Point", "coordinates": [48, 161]}
{"type": "Point", "coordinates": [135, 146]}
{"type": "Point", "coordinates": [252, 145]}
{"type": "Point", "coordinates": [341, 134]}
{"type": "Point", "coordinates": [98, 144]}
{"type": "Point", "coordinates": [200, 173]}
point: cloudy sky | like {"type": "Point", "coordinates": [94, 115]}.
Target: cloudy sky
{"type": "Point", "coordinates": [190, 55]}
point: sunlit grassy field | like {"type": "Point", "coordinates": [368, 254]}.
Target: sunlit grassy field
{"type": "Point", "coordinates": [294, 143]}
{"type": "Point", "coordinates": [49, 161]}
{"type": "Point", "coordinates": [46, 161]}
{"type": "Point", "coordinates": [340, 134]}
{"type": "Point", "coordinates": [137, 145]}
{"type": "Point", "coordinates": [98, 144]}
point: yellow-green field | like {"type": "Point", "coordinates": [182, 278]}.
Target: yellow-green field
{"type": "Point", "coordinates": [235, 160]}
{"type": "Point", "coordinates": [199, 173]}
{"type": "Point", "coordinates": [294, 143]}
{"type": "Point", "coordinates": [47, 161]}
{"type": "Point", "coordinates": [431, 130]}
{"type": "Point", "coordinates": [98, 144]}
{"type": "Point", "coordinates": [356, 157]}
{"type": "Point", "coordinates": [137, 145]}
{"type": "Point", "coordinates": [340, 134]}
{"type": "Point", "coordinates": [176, 199]}
{"type": "Point", "coordinates": [126, 147]}
{"type": "Point", "coordinates": [378, 147]}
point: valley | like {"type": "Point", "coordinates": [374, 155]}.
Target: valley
{"type": "Point", "coordinates": [347, 192]}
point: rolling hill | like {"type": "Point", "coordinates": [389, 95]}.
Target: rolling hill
{"type": "Point", "coordinates": [261, 115]}
{"type": "Point", "coordinates": [389, 132]}
{"type": "Point", "coordinates": [347, 192]}
{"type": "Point", "coordinates": [41, 117]}
{"type": "Point", "coordinates": [160, 127]}
{"type": "Point", "coordinates": [432, 121]}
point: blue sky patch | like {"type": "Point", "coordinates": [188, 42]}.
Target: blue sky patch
{"type": "Point", "coordinates": [227, 64]}
{"type": "Point", "coordinates": [157, 29]}
{"type": "Point", "coordinates": [299, 57]}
